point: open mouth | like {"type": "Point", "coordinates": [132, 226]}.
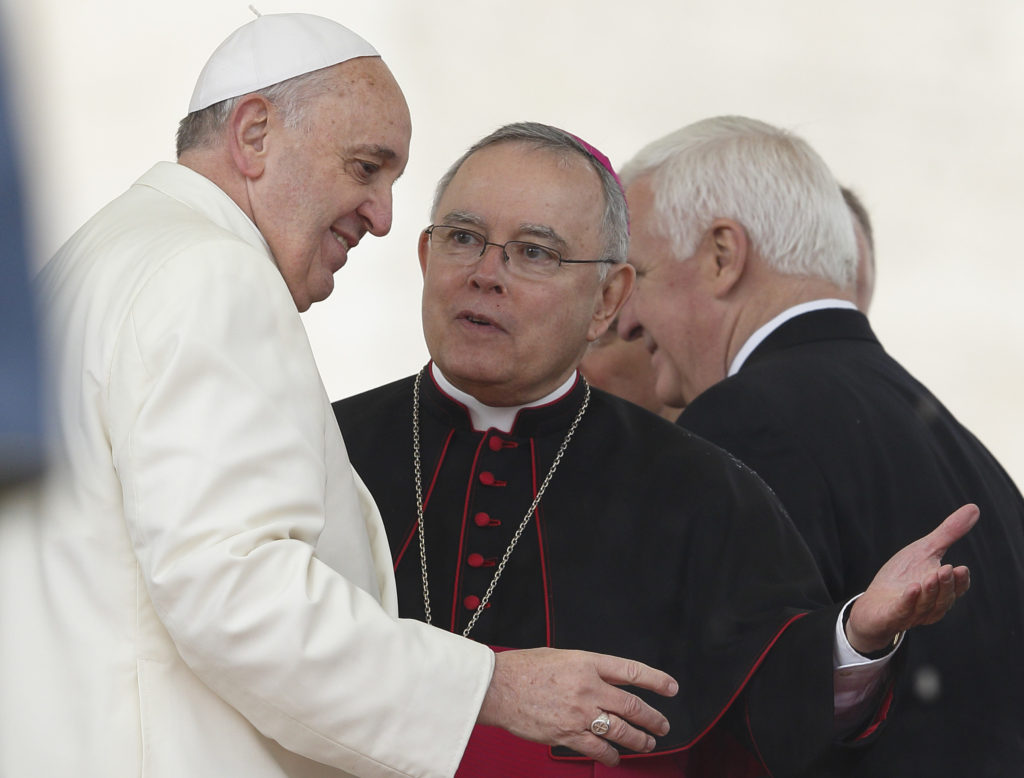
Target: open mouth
{"type": "Point", "coordinates": [478, 320]}
{"type": "Point", "coordinates": [342, 239]}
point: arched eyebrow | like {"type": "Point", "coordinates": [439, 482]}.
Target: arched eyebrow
{"type": "Point", "coordinates": [464, 217]}
{"type": "Point", "coordinates": [545, 233]}
{"type": "Point", "coordinates": [539, 232]}
{"type": "Point", "coordinates": [384, 152]}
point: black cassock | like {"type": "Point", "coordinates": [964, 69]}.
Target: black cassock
{"type": "Point", "coordinates": [649, 543]}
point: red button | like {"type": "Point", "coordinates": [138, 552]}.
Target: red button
{"type": "Point", "coordinates": [475, 560]}
{"type": "Point", "coordinates": [487, 479]}
{"type": "Point", "coordinates": [495, 443]}
{"type": "Point", "coordinates": [471, 603]}
{"type": "Point", "coordinates": [484, 520]}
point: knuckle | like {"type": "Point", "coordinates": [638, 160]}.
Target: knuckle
{"type": "Point", "coordinates": [607, 755]}
{"type": "Point", "coordinates": [634, 670]}
{"type": "Point", "coordinates": [619, 730]}
{"type": "Point", "coordinates": [568, 735]}
{"type": "Point", "coordinates": [591, 747]}
{"type": "Point", "coordinates": [632, 706]}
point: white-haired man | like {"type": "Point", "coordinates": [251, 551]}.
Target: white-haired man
{"type": "Point", "coordinates": [202, 585]}
{"type": "Point", "coordinates": [746, 259]}
{"type": "Point", "coordinates": [525, 509]}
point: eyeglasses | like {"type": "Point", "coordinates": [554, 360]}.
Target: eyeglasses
{"type": "Point", "coordinates": [524, 259]}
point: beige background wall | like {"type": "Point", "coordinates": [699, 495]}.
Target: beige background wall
{"type": "Point", "coordinates": [917, 106]}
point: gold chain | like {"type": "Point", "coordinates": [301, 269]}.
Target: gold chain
{"type": "Point", "coordinates": [522, 525]}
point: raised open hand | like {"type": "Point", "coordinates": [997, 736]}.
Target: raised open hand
{"type": "Point", "coordinates": [914, 587]}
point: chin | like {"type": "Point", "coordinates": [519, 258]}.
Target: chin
{"type": "Point", "coordinates": [668, 394]}
{"type": "Point", "coordinates": [471, 374]}
{"type": "Point", "coordinates": [322, 292]}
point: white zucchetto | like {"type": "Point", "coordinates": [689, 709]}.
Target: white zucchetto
{"type": "Point", "coordinates": [271, 49]}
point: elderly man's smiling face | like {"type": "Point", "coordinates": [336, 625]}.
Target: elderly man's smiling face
{"type": "Point", "coordinates": [672, 307]}
{"type": "Point", "coordinates": [327, 181]}
{"type": "Point", "coordinates": [504, 339]}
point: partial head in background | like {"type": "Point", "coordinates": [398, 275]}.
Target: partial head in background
{"type": "Point", "coordinates": [865, 249]}
{"type": "Point", "coordinates": [509, 323]}
{"type": "Point", "coordinates": [299, 121]}
{"type": "Point", "coordinates": [733, 221]}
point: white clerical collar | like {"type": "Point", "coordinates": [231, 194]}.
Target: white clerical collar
{"type": "Point", "coordinates": [485, 417]}
{"type": "Point", "coordinates": [767, 329]}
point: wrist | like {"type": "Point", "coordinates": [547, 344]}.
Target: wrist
{"type": "Point", "coordinates": [869, 647]}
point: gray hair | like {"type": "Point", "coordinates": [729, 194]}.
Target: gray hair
{"type": "Point", "coordinates": [291, 97]}
{"type": "Point", "coordinates": [767, 179]}
{"type": "Point", "coordinates": [615, 226]}
{"type": "Point", "coordinates": [860, 213]}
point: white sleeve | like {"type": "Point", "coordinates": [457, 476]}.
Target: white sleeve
{"type": "Point", "coordinates": [856, 679]}
{"type": "Point", "coordinates": [218, 433]}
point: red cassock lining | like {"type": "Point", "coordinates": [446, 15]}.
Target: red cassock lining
{"type": "Point", "coordinates": [495, 753]}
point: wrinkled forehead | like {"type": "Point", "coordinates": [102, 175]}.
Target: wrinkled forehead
{"type": "Point", "coordinates": [362, 109]}
{"type": "Point", "coordinates": [508, 185]}
{"type": "Point", "coordinates": [367, 85]}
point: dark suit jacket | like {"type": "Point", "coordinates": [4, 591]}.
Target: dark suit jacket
{"type": "Point", "coordinates": [866, 460]}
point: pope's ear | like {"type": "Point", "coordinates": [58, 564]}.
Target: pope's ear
{"type": "Point", "coordinates": [615, 290]}
{"type": "Point", "coordinates": [731, 249]}
{"type": "Point", "coordinates": [249, 123]}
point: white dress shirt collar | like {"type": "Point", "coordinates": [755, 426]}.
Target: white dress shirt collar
{"type": "Point", "coordinates": [765, 330]}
